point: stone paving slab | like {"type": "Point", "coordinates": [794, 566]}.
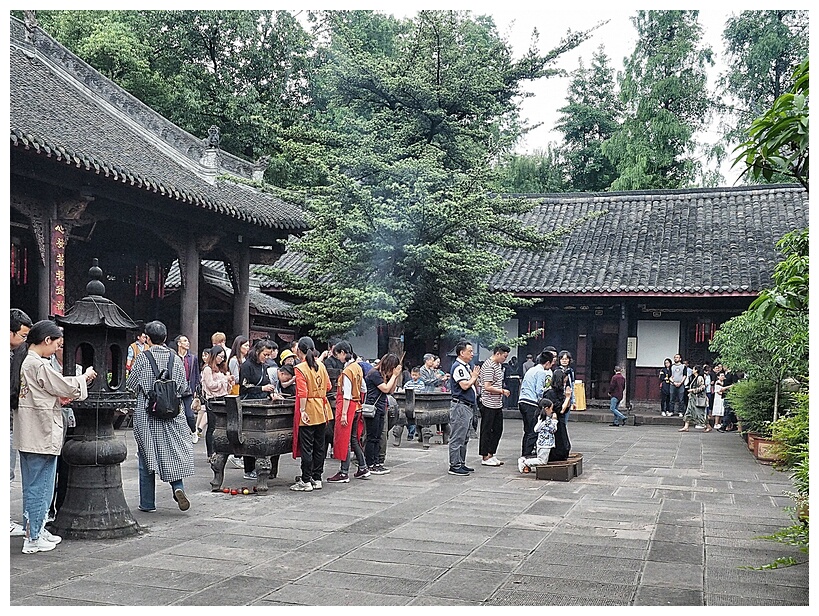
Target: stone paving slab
{"type": "Point", "coordinates": [300, 594]}
{"type": "Point", "coordinates": [673, 575]}
{"type": "Point", "coordinates": [654, 514]}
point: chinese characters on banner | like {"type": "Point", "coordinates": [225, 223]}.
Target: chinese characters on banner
{"type": "Point", "coordinates": [58, 241]}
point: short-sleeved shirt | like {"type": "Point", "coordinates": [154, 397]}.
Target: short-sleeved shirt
{"type": "Point", "coordinates": [491, 372]}
{"type": "Point", "coordinates": [461, 372]}
{"type": "Point", "coordinates": [678, 373]}
{"type": "Point", "coordinates": [374, 395]}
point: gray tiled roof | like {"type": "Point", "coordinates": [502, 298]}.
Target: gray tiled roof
{"type": "Point", "coordinates": [63, 108]}
{"type": "Point", "coordinates": [215, 275]}
{"type": "Point", "coordinates": [683, 242]}
{"type": "Point", "coordinates": [695, 241]}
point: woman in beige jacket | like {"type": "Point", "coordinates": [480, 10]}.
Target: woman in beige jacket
{"type": "Point", "coordinates": [38, 429]}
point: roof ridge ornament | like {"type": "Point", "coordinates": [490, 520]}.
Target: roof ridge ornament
{"type": "Point", "coordinates": [210, 157]}
{"type": "Point", "coordinates": [30, 20]}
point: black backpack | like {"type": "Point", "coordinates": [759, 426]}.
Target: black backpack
{"type": "Point", "coordinates": [163, 398]}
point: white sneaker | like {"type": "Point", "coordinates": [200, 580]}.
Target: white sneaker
{"type": "Point", "coordinates": [316, 483]}
{"type": "Point", "coordinates": [195, 437]}
{"type": "Point", "coordinates": [236, 462]}
{"type": "Point", "coordinates": [41, 544]}
{"type": "Point", "coordinates": [718, 426]}
{"type": "Point", "coordinates": [44, 534]}
{"type": "Point", "coordinates": [491, 462]}
{"type": "Point", "coordinates": [16, 530]}
{"type": "Point", "coordinates": [521, 463]}
{"type": "Point", "coordinates": [300, 486]}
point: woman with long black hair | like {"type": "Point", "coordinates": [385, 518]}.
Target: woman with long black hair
{"type": "Point", "coordinates": [380, 381]}
{"type": "Point", "coordinates": [665, 388]}
{"type": "Point", "coordinates": [216, 383]}
{"type": "Point", "coordinates": [560, 393]}
{"type": "Point", "coordinates": [312, 413]}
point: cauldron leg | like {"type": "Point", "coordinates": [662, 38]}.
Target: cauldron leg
{"type": "Point", "coordinates": [274, 466]}
{"type": "Point", "coordinates": [426, 434]}
{"type": "Point", "coordinates": [446, 432]}
{"type": "Point", "coordinates": [262, 473]}
{"type": "Point", "coordinates": [397, 433]}
{"type": "Point", "coordinates": [217, 465]}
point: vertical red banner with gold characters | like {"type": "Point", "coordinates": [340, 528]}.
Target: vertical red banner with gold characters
{"type": "Point", "coordinates": [58, 241]}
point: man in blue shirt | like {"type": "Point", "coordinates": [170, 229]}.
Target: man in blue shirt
{"type": "Point", "coordinates": [461, 407]}
{"type": "Point", "coordinates": [535, 381]}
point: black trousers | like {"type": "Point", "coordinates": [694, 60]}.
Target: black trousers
{"type": "Point", "coordinates": [372, 442]}
{"type": "Point", "coordinates": [528, 413]}
{"type": "Point", "coordinates": [311, 444]}
{"type": "Point", "coordinates": [491, 430]}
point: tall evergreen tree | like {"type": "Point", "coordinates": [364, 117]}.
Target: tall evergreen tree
{"type": "Point", "coordinates": [589, 119]}
{"type": "Point", "coordinates": [763, 49]}
{"type": "Point", "coordinates": [663, 89]}
{"type": "Point", "coordinates": [405, 235]}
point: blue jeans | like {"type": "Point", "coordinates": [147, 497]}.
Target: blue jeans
{"type": "Point", "coordinates": [147, 485]}
{"type": "Point", "coordinates": [460, 420]}
{"type": "Point", "coordinates": [38, 473]}
{"type": "Point", "coordinates": [615, 403]}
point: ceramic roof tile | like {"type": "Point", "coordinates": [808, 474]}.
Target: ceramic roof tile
{"type": "Point", "coordinates": [64, 109]}
{"type": "Point", "coordinates": [693, 241]}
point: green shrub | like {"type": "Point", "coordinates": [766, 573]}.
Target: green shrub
{"type": "Point", "coordinates": [791, 432]}
{"type": "Point", "coordinates": [753, 401]}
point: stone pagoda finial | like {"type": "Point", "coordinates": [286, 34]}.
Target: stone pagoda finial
{"type": "Point", "coordinates": [95, 285]}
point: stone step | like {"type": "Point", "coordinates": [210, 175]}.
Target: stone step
{"type": "Point", "coordinates": [600, 415]}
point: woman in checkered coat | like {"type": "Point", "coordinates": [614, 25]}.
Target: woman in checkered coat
{"type": "Point", "coordinates": [164, 446]}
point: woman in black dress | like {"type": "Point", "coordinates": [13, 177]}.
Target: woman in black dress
{"type": "Point", "coordinates": [665, 388]}
{"type": "Point", "coordinates": [560, 393]}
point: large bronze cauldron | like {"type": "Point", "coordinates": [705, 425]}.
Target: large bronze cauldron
{"type": "Point", "coordinates": [259, 428]}
{"type": "Point", "coordinates": [428, 409]}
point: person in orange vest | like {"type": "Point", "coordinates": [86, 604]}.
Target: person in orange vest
{"type": "Point", "coordinates": [135, 348]}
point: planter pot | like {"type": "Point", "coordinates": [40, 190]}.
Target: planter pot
{"type": "Point", "coordinates": [764, 450]}
{"type": "Point", "coordinates": [752, 436]}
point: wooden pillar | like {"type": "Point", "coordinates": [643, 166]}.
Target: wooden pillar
{"type": "Point", "coordinates": [241, 291]}
{"type": "Point", "coordinates": [189, 317]}
{"type": "Point", "coordinates": [43, 290]}
{"type": "Point", "coordinates": [622, 345]}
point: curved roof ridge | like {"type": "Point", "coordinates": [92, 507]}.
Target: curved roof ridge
{"type": "Point", "coordinates": [173, 140]}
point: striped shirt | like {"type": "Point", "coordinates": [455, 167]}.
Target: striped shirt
{"type": "Point", "coordinates": [492, 373]}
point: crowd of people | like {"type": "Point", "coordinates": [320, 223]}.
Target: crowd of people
{"type": "Point", "coordinates": [341, 407]}
{"type": "Point", "coordinates": [697, 394]}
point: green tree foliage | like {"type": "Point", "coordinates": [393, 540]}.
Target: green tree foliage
{"type": "Point", "coordinates": [779, 140]}
{"type": "Point", "coordinates": [541, 172]}
{"type": "Point", "coordinates": [414, 111]}
{"type": "Point", "coordinates": [791, 291]}
{"type": "Point", "coordinates": [589, 119]}
{"type": "Point", "coordinates": [778, 318]}
{"type": "Point", "coordinates": [762, 50]}
{"type": "Point", "coordinates": [663, 90]}
{"type": "Point", "coordinates": [243, 71]}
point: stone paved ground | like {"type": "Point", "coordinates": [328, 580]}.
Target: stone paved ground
{"type": "Point", "coordinates": [657, 518]}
